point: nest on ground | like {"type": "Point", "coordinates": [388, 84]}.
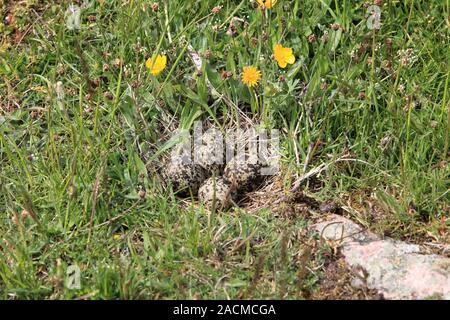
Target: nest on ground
{"type": "Point", "coordinates": [201, 168]}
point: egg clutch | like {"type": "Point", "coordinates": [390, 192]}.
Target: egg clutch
{"type": "Point", "coordinates": [221, 176]}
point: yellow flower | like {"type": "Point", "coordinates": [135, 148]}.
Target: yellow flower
{"type": "Point", "coordinates": [283, 55]}
{"type": "Point", "coordinates": [267, 3]}
{"type": "Point", "coordinates": [251, 76]}
{"type": "Point", "coordinates": [156, 64]}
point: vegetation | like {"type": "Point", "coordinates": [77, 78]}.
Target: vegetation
{"type": "Point", "coordinates": [80, 109]}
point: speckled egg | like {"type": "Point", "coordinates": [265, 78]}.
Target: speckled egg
{"type": "Point", "coordinates": [209, 160]}
{"type": "Point", "coordinates": [183, 176]}
{"type": "Point", "coordinates": [210, 154]}
{"type": "Point", "coordinates": [243, 174]}
{"type": "Point", "coordinates": [216, 191]}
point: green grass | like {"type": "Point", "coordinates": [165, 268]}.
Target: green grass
{"type": "Point", "coordinates": [74, 159]}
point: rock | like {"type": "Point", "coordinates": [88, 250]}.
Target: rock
{"type": "Point", "coordinates": [358, 283]}
{"type": "Point", "coordinates": [396, 269]}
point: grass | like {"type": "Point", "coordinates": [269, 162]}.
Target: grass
{"type": "Point", "coordinates": [78, 110]}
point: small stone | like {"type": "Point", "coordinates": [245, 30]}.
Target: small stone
{"type": "Point", "coordinates": [358, 283]}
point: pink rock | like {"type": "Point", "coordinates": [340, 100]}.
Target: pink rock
{"type": "Point", "coordinates": [396, 269]}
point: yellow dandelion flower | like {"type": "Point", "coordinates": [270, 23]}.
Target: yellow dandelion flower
{"type": "Point", "coordinates": [283, 55]}
{"type": "Point", "coordinates": [250, 76]}
{"type": "Point", "coordinates": [267, 3]}
{"type": "Point", "coordinates": [156, 64]}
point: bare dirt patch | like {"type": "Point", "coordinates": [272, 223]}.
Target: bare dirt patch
{"type": "Point", "coordinates": [340, 282]}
